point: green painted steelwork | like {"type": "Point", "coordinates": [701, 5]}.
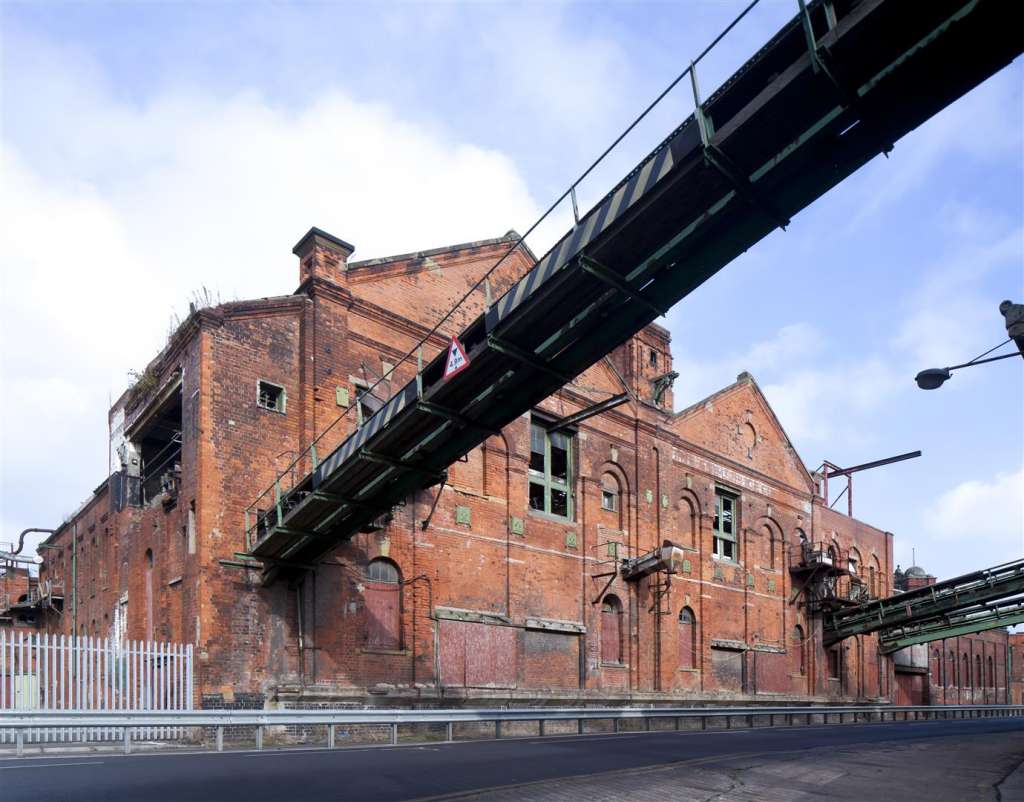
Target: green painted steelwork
{"type": "Point", "coordinates": [950, 628]}
{"type": "Point", "coordinates": [934, 608]}
{"type": "Point", "coordinates": [777, 129]}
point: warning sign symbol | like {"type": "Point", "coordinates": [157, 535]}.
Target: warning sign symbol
{"type": "Point", "coordinates": [457, 360]}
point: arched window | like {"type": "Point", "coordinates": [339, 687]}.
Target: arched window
{"type": "Point", "coordinates": [611, 630]}
{"type": "Point", "coordinates": [879, 583]}
{"type": "Point", "coordinates": [689, 522]}
{"type": "Point", "coordinates": [612, 506]}
{"type": "Point", "coordinates": [769, 535]}
{"type": "Point", "coordinates": [991, 673]}
{"type": "Point", "coordinates": [965, 672]}
{"type": "Point", "coordinates": [798, 647]}
{"type": "Point", "coordinates": [149, 594]}
{"type": "Point", "coordinates": [936, 667]}
{"type": "Point", "coordinates": [951, 670]}
{"type": "Point", "coordinates": [979, 680]}
{"type": "Point", "coordinates": [687, 639]}
{"type": "Point", "coordinates": [853, 561]}
{"type": "Point", "coordinates": [383, 594]}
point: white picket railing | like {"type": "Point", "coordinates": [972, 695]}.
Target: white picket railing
{"type": "Point", "coordinates": [63, 672]}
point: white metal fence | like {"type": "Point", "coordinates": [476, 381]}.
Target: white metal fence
{"type": "Point", "coordinates": [63, 673]}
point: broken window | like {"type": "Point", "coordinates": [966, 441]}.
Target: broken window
{"type": "Point", "coordinates": [156, 439]}
{"type": "Point", "coordinates": [611, 630]}
{"type": "Point", "coordinates": [550, 471]}
{"type": "Point", "coordinates": [652, 358]}
{"type": "Point", "coordinates": [368, 402]}
{"type": "Point", "coordinates": [383, 594]}
{"type": "Point", "coordinates": [725, 538]}
{"type": "Point", "coordinates": [687, 639]}
{"type": "Point", "coordinates": [270, 396]}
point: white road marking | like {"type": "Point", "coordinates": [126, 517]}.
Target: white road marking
{"type": "Point", "coordinates": [53, 765]}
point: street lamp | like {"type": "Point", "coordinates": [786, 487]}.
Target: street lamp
{"type": "Point", "coordinates": [933, 378]}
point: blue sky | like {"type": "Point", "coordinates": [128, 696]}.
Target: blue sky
{"type": "Point", "coordinates": [151, 149]}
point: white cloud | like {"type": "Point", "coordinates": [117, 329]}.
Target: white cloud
{"type": "Point", "coordinates": [989, 511]}
{"type": "Point", "coordinates": [112, 224]}
{"type": "Point", "coordinates": [828, 406]}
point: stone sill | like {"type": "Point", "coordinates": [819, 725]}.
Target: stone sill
{"type": "Point", "coordinates": [392, 652]}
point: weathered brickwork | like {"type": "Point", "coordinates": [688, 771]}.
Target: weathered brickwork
{"type": "Point", "coordinates": [493, 599]}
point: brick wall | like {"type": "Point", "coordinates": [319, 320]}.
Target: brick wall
{"type": "Point", "coordinates": [496, 600]}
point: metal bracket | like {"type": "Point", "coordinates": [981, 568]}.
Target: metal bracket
{"type": "Point", "coordinates": [527, 358]}
{"type": "Point", "coordinates": [718, 159]}
{"type": "Point", "coordinates": [426, 521]}
{"type": "Point", "coordinates": [609, 277]}
{"type": "Point", "coordinates": [391, 462]}
{"type": "Point", "coordinates": [455, 417]}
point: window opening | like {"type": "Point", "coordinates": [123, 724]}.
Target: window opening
{"type": "Point", "coordinates": [270, 396]}
{"type": "Point", "coordinates": [550, 471]}
{"type": "Point", "coordinates": [383, 596]}
{"type": "Point", "coordinates": [725, 525]}
{"type": "Point", "coordinates": [798, 645]}
{"type": "Point", "coordinates": [687, 639]}
{"type": "Point", "coordinates": [611, 630]}
{"type": "Point", "coordinates": [609, 493]}
{"type": "Point", "coordinates": [158, 446]}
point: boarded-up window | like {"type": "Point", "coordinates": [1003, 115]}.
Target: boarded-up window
{"type": "Point", "coordinates": [611, 630]}
{"type": "Point", "coordinates": [798, 647]}
{"type": "Point", "coordinates": [687, 639]}
{"type": "Point", "coordinates": [965, 672]}
{"type": "Point", "coordinates": [727, 667]}
{"type": "Point", "coordinates": [149, 594]}
{"type": "Point", "coordinates": [383, 594]}
{"type": "Point", "coordinates": [833, 663]}
{"type": "Point", "coordinates": [978, 679]}
{"type": "Point", "coordinates": [991, 673]}
{"type": "Point", "coordinates": [951, 670]}
{"type": "Point", "coordinates": [688, 523]}
{"type": "Point", "coordinates": [477, 655]}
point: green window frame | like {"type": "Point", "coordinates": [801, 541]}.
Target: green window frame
{"type": "Point", "coordinates": [726, 528]}
{"type": "Point", "coordinates": [550, 471]}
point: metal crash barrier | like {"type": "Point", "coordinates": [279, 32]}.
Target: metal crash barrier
{"type": "Point", "coordinates": [21, 722]}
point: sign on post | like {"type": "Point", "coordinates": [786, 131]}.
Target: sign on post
{"type": "Point", "coordinates": [457, 360]}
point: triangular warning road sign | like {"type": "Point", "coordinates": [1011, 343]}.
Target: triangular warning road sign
{"type": "Point", "coordinates": [457, 360]}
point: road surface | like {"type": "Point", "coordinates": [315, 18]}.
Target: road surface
{"type": "Point", "coordinates": [933, 760]}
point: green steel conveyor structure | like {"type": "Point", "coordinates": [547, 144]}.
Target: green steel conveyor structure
{"type": "Point", "coordinates": [987, 599]}
{"type": "Point", "coordinates": [839, 84]}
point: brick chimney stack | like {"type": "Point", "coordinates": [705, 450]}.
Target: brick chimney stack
{"type": "Point", "coordinates": [322, 256]}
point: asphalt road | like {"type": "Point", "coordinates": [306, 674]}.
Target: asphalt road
{"type": "Point", "coordinates": [437, 770]}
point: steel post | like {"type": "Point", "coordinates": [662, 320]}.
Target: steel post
{"type": "Point", "coordinates": [126, 735]}
{"type": "Point", "coordinates": [259, 738]}
{"type": "Point", "coordinates": [220, 737]}
{"type": "Point", "coordinates": [393, 735]}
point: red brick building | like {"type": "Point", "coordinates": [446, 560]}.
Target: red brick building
{"type": "Point", "coordinates": [512, 591]}
{"type": "Point", "coordinates": [969, 669]}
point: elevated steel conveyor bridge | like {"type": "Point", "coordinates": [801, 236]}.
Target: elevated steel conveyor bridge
{"type": "Point", "coordinates": [974, 602]}
{"type": "Point", "coordinates": [839, 84]}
